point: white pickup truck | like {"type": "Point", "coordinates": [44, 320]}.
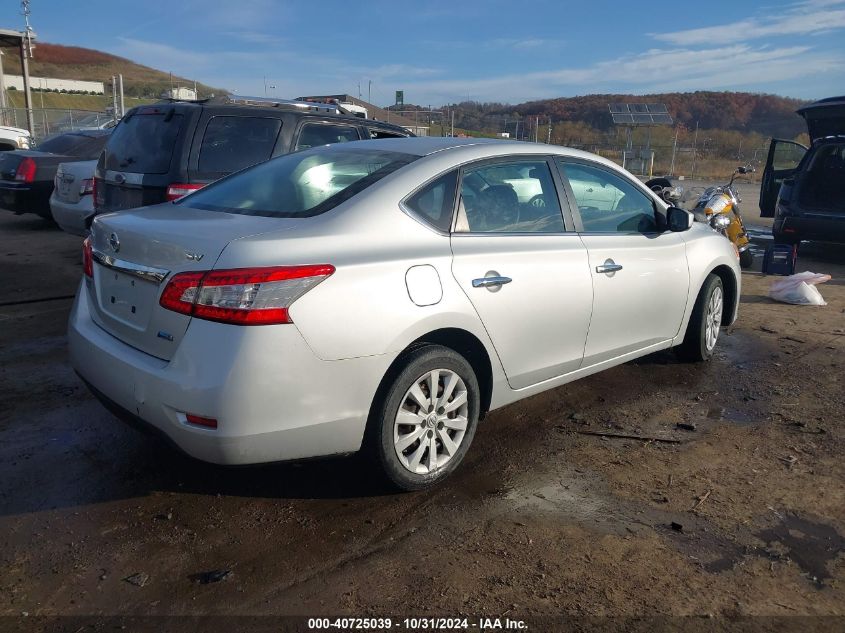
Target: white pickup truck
{"type": "Point", "coordinates": [14, 138]}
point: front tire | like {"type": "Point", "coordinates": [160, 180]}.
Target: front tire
{"type": "Point", "coordinates": [705, 322]}
{"type": "Point", "coordinates": [425, 422]}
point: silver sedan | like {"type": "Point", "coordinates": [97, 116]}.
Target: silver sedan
{"type": "Point", "coordinates": [384, 295]}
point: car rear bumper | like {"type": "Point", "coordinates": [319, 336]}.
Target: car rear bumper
{"type": "Point", "coordinates": [273, 399]}
{"type": "Point", "coordinates": [73, 217]}
{"type": "Point", "coordinates": [817, 227]}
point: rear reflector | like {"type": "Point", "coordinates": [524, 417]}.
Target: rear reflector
{"type": "Point", "coordinates": [242, 296]}
{"type": "Point", "coordinates": [209, 423]}
{"type": "Point", "coordinates": [26, 170]}
{"type": "Point", "coordinates": [87, 258]}
{"type": "Point", "coordinates": [87, 187]}
{"type": "Point", "coordinates": [177, 190]}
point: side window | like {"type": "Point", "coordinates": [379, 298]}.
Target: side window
{"type": "Point", "coordinates": [316, 134]}
{"type": "Point", "coordinates": [609, 203]}
{"type": "Point", "coordinates": [516, 197]}
{"type": "Point", "coordinates": [231, 143]}
{"type": "Point", "coordinates": [376, 133]}
{"type": "Point", "coordinates": [787, 155]}
{"type": "Point", "coordinates": [434, 203]}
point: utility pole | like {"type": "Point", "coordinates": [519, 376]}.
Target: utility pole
{"type": "Point", "coordinates": [453, 122]}
{"type": "Point", "coordinates": [694, 144]}
{"type": "Point", "coordinates": [122, 104]}
{"type": "Point", "coordinates": [2, 91]}
{"type": "Point", "coordinates": [265, 85]}
{"type": "Point", "coordinates": [369, 91]}
{"type": "Point", "coordinates": [549, 137]}
{"type": "Point", "coordinates": [674, 151]}
{"type": "Point", "coordinates": [536, 127]}
{"type": "Point", "coordinates": [114, 97]}
{"type": "Point", "coordinates": [26, 54]}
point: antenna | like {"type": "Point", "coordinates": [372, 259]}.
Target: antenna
{"type": "Point", "coordinates": [25, 10]}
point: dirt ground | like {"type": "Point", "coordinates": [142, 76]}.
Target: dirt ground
{"type": "Point", "coordinates": [744, 514]}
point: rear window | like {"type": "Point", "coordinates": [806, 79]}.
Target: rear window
{"type": "Point", "coordinates": [78, 145]}
{"type": "Point", "coordinates": [315, 134]}
{"type": "Point", "coordinates": [303, 184]}
{"type": "Point", "coordinates": [231, 143]}
{"type": "Point", "coordinates": [143, 142]}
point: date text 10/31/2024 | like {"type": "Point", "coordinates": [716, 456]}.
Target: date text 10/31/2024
{"type": "Point", "coordinates": [416, 624]}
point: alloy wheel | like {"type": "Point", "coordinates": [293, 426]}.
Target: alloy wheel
{"type": "Point", "coordinates": [431, 422]}
{"type": "Point", "coordinates": [713, 318]}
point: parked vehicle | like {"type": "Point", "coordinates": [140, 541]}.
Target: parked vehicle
{"type": "Point", "coordinates": [72, 200]}
{"type": "Point", "coordinates": [424, 293]}
{"type": "Point", "coordinates": [803, 189]}
{"type": "Point", "coordinates": [719, 206]}
{"type": "Point", "coordinates": [161, 152]}
{"type": "Point", "coordinates": [12, 138]}
{"type": "Point", "coordinates": [26, 176]}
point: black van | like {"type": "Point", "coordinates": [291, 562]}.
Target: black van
{"type": "Point", "coordinates": [803, 189]}
{"type": "Point", "coordinates": [163, 151]}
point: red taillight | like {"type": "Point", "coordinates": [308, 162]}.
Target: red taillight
{"type": "Point", "coordinates": [209, 423]}
{"type": "Point", "coordinates": [26, 170]}
{"type": "Point", "coordinates": [99, 198]}
{"type": "Point", "coordinates": [180, 292]}
{"type": "Point", "coordinates": [242, 296]}
{"type": "Point", "coordinates": [86, 187]}
{"type": "Point", "coordinates": [87, 258]}
{"type": "Point", "coordinates": [178, 189]}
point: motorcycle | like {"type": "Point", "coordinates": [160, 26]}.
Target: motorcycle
{"type": "Point", "coordinates": [719, 207]}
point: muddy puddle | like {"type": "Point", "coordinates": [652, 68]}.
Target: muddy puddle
{"type": "Point", "coordinates": [811, 545]}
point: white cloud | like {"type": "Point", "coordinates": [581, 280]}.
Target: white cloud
{"type": "Point", "coordinates": [806, 18]}
{"type": "Point", "coordinates": [657, 70]}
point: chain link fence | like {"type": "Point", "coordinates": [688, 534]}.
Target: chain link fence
{"type": "Point", "coordinates": [49, 121]}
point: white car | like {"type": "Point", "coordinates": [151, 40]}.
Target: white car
{"type": "Point", "coordinates": [385, 295]}
{"type": "Point", "coordinates": [72, 200]}
{"type": "Point", "coordinates": [12, 138]}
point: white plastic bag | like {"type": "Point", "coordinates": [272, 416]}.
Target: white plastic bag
{"type": "Point", "coordinates": [799, 289]}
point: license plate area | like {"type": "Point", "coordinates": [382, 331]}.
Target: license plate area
{"type": "Point", "coordinates": [125, 298]}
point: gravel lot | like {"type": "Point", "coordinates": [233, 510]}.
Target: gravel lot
{"type": "Point", "coordinates": [543, 517]}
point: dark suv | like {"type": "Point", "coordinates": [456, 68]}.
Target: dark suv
{"type": "Point", "coordinates": [161, 152]}
{"type": "Point", "coordinates": [803, 189]}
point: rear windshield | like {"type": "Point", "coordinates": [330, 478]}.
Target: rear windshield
{"type": "Point", "coordinates": [299, 185]}
{"type": "Point", "coordinates": [78, 145]}
{"type": "Point", "coordinates": [143, 142]}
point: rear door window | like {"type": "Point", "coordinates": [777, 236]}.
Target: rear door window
{"type": "Point", "coordinates": [316, 134]}
{"type": "Point", "coordinates": [231, 143]}
{"type": "Point", "coordinates": [143, 143]}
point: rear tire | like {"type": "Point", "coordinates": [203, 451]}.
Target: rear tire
{"type": "Point", "coordinates": [705, 322]}
{"type": "Point", "coordinates": [418, 441]}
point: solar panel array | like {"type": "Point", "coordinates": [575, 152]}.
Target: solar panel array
{"type": "Point", "coordinates": [633, 114]}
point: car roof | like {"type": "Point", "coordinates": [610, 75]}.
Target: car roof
{"type": "Point", "coordinates": [430, 145]}
{"type": "Point", "coordinates": [248, 108]}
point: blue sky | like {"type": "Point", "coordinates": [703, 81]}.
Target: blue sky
{"type": "Point", "coordinates": [441, 52]}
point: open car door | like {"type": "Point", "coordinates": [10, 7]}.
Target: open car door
{"type": "Point", "coordinates": [782, 162]}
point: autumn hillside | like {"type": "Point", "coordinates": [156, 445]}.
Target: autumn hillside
{"type": "Point", "coordinates": [73, 62]}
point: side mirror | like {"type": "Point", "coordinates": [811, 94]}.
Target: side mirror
{"type": "Point", "coordinates": [679, 219]}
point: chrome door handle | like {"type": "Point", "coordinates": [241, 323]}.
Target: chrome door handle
{"type": "Point", "coordinates": [484, 282]}
{"type": "Point", "coordinates": [608, 267]}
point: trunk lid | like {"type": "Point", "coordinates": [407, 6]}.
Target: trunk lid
{"type": "Point", "coordinates": [137, 252]}
{"type": "Point", "coordinates": [825, 117]}
{"type": "Point", "coordinates": [69, 179]}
